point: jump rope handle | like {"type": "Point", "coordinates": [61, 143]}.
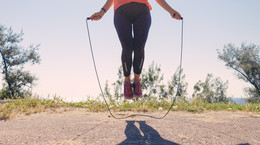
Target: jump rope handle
{"type": "Point", "coordinates": [174, 16]}
{"type": "Point", "coordinates": [88, 18]}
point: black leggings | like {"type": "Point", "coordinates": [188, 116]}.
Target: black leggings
{"type": "Point", "coordinates": [132, 22]}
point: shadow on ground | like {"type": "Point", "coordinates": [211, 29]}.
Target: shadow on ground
{"type": "Point", "coordinates": [150, 136]}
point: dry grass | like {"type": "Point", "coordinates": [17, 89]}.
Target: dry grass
{"type": "Point", "coordinates": [29, 106]}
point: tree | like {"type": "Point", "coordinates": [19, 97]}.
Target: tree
{"type": "Point", "coordinates": [245, 61]}
{"type": "Point", "coordinates": [211, 90]}
{"type": "Point", "coordinates": [107, 94]}
{"type": "Point", "coordinates": [152, 81]}
{"type": "Point", "coordinates": [118, 85]}
{"type": "Point", "coordinates": [14, 57]}
{"type": "Point", "coordinates": [173, 85]}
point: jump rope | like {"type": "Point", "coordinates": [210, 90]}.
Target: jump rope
{"type": "Point", "coordinates": [179, 89]}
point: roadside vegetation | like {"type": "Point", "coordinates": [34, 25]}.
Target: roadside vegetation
{"type": "Point", "coordinates": [29, 106]}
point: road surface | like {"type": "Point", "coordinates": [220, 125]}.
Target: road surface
{"type": "Point", "coordinates": [80, 127]}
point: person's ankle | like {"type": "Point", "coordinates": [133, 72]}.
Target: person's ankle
{"type": "Point", "coordinates": [136, 79]}
{"type": "Point", "coordinates": [127, 79]}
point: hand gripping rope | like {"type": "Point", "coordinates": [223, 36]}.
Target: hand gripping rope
{"type": "Point", "coordinates": [179, 89]}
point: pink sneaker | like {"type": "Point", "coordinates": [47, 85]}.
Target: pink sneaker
{"type": "Point", "coordinates": [128, 93]}
{"type": "Point", "coordinates": [137, 89]}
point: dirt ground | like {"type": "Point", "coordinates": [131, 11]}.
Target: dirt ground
{"type": "Point", "coordinates": [79, 127]}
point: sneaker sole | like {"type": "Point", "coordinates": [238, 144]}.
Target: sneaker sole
{"type": "Point", "coordinates": [138, 96]}
{"type": "Point", "coordinates": [128, 98]}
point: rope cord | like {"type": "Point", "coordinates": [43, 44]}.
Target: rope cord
{"type": "Point", "coordinates": [179, 90]}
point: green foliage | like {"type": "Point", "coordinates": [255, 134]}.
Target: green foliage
{"type": "Point", "coordinates": [107, 93]}
{"type": "Point", "coordinates": [253, 107]}
{"type": "Point", "coordinates": [31, 105]}
{"type": "Point", "coordinates": [253, 95]}
{"type": "Point", "coordinates": [245, 60]}
{"type": "Point", "coordinates": [14, 57]}
{"type": "Point", "coordinates": [118, 90]}
{"type": "Point", "coordinates": [152, 81]}
{"type": "Point", "coordinates": [211, 90]}
{"type": "Point", "coordinates": [175, 85]}
{"type": "Point", "coordinates": [4, 92]}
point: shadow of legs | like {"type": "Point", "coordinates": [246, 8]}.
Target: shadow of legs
{"type": "Point", "coordinates": [151, 136]}
{"type": "Point", "coordinates": [132, 133]}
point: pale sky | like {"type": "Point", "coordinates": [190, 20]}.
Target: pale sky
{"type": "Point", "coordinates": [66, 68]}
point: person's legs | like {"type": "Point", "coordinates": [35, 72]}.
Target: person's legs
{"type": "Point", "coordinates": [141, 29]}
{"type": "Point", "coordinates": [124, 30]}
{"type": "Point", "coordinates": [127, 22]}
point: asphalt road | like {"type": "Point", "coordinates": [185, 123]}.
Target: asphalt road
{"type": "Point", "coordinates": [80, 127]}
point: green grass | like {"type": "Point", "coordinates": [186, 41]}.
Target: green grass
{"type": "Point", "coordinates": [29, 106]}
